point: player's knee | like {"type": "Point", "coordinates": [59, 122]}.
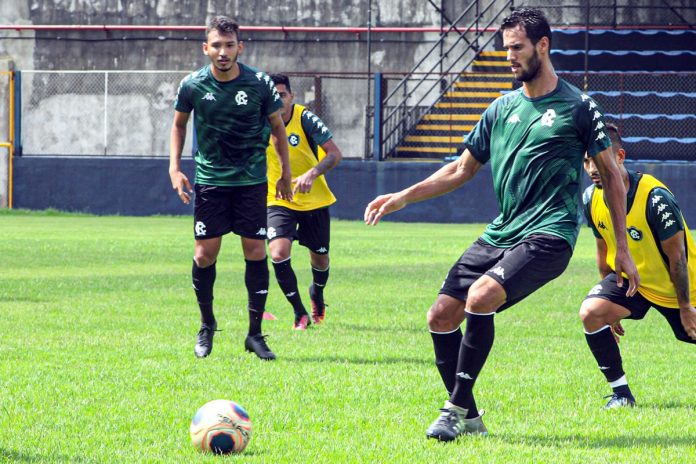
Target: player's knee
{"type": "Point", "coordinates": [443, 317]}
{"type": "Point", "coordinates": [278, 255]}
{"type": "Point", "coordinates": [587, 311]}
{"type": "Point", "coordinates": [203, 260]}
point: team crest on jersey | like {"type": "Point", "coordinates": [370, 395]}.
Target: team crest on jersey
{"type": "Point", "coordinates": [241, 98]}
{"type": "Point", "coordinates": [294, 139]}
{"type": "Point", "coordinates": [635, 234]}
{"type": "Point", "coordinates": [548, 118]}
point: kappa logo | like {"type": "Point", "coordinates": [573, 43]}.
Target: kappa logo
{"type": "Point", "coordinates": [600, 136]}
{"type": "Point", "coordinates": [262, 232]}
{"type": "Point", "coordinates": [271, 233]}
{"type": "Point", "coordinates": [294, 139]}
{"type": "Point", "coordinates": [322, 250]}
{"type": "Point", "coordinates": [262, 292]}
{"type": "Point", "coordinates": [661, 207]}
{"type": "Point", "coordinates": [499, 271]}
{"type": "Point", "coordinates": [209, 96]}
{"type": "Point", "coordinates": [604, 368]}
{"type": "Point", "coordinates": [635, 234]}
{"type": "Point", "coordinates": [656, 199]}
{"type": "Point", "coordinates": [669, 223]}
{"type": "Point", "coordinates": [601, 225]}
{"type": "Point", "coordinates": [241, 98]}
{"type": "Point", "coordinates": [199, 228]}
{"type": "Point", "coordinates": [290, 294]}
{"type": "Point", "coordinates": [514, 119]}
{"type": "Point", "coordinates": [464, 376]}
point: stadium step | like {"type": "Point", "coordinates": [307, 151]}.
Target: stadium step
{"type": "Point", "coordinates": [441, 131]}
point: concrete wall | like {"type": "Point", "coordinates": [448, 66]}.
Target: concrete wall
{"type": "Point", "coordinates": [141, 187]}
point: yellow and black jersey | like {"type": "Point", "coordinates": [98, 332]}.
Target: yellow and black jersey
{"type": "Point", "coordinates": [306, 133]}
{"type": "Point", "coordinates": [652, 216]}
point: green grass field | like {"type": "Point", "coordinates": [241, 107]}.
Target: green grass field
{"type": "Point", "coordinates": [98, 321]}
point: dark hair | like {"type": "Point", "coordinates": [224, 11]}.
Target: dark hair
{"type": "Point", "coordinates": [281, 79]}
{"type": "Point", "coordinates": [532, 21]}
{"type": "Point", "coordinates": [224, 25]}
{"type": "Point", "coordinates": [614, 135]}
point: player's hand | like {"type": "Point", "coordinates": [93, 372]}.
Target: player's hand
{"type": "Point", "coordinates": [618, 331]}
{"type": "Point", "coordinates": [624, 264]}
{"type": "Point", "coordinates": [303, 183]}
{"type": "Point", "coordinates": [381, 206]}
{"type": "Point", "coordinates": [688, 320]}
{"type": "Point", "coordinates": [284, 189]}
{"type": "Point", "coordinates": [181, 184]}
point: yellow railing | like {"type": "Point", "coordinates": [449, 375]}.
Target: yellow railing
{"type": "Point", "coordinates": [10, 143]}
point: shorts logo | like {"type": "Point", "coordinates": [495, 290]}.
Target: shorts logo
{"type": "Point", "coordinates": [294, 139]}
{"type": "Point", "coordinates": [262, 232]}
{"type": "Point", "coordinates": [499, 271]}
{"type": "Point", "coordinates": [322, 250]}
{"type": "Point", "coordinates": [271, 233]}
{"type": "Point", "coordinates": [635, 234]}
{"type": "Point", "coordinates": [596, 290]}
{"type": "Point", "coordinates": [199, 228]}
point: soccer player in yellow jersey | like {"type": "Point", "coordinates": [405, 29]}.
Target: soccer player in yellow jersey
{"type": "Point", "coordinates": [306, 218]}
{"type": "Point", "coordinates": [664, 252]}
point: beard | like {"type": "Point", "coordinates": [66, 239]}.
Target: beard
{"type": "Point", "coordinates": [532, 69]}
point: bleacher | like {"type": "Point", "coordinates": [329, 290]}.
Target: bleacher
{"type": "Point", "coordinates": [644, 79]}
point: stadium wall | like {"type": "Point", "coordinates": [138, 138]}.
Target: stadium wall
{"type": "Point", "coordinates": [139, 187]}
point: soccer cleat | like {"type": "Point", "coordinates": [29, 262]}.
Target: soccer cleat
{"type": "Point", "coordinates": [257, 344]}
{"type": "Point", "coordinates": [302, 323]}
{"type": "Point", "coordinates": [204, 341]}
{"type": "Point", "coordinates": [453, 423]}
{"type": "Point", "coordinates": [318, 306]}
{"type": "Point", "coordinates": [617, 401]}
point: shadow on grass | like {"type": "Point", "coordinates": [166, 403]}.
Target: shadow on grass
{"type": "Point", "coordinates": [380, 329]}
{"type": "Point", "coordinates": [9, 455]}
{"type": "Point", "coordinates": [354, 360]}
{"type": "Point", "coordinates": [598, 442]}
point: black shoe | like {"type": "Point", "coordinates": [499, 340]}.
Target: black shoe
{"type": "Point", "coordinates": [204, 342]}
{"type": "Point", "coordinates": [617, 401]}
{"type": "Point", "coordinates": [257, 345]}
{"type": "Point", "coordinates": [453, 423]}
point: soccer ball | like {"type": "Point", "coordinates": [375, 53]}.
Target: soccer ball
{"type": "Point", "coordinates": [221, 426]}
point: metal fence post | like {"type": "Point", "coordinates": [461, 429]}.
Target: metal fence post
{"type": "Point", "coordinates": [377, 118]}
{"type": "Point", "coordinates": [17, 76]}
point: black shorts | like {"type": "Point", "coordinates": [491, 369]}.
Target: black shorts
{"type": "Point", "coordinates": [521, 270]}
{"type": "Point", "coordinates": [221, 210]}
{"type": "Point", "coordinates": [311, 228]}
{"type": "Point", "coordinates": [637, 304]}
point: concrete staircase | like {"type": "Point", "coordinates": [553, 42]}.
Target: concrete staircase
{"type": "Point", "coordinates": [441, 131]}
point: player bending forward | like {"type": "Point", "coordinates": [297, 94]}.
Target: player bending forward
{"type": "Point", "coordinates": [664, 252]}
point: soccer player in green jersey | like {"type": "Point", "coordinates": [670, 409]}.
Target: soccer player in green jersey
{"type": "Point", "coordinates": [665, 255]}
{"type": "Point", "coordinates": [535, 139]}
{"type": "Point", "coordinates": [236, 108]}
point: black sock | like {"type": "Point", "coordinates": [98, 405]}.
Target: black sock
{"type": "Point", "coordinates": [623, 390]}
{"type": "Point", "coordinates": [288, 284]}
{"type": "Point", "coordinates": [320, 277]}
{"type": "Point", "coordinates": [476, 344]}
{"type": "Point", "coordinates": [446, 355]}
{"type": "Point", "coordinates": [203, 280]}
{"type": "Point", "coordinates": [606, 352]}
{"type": "Point", "coordinates": [256, 279]}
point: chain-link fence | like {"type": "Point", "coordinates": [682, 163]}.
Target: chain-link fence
{"type": "Point", "coordinates": [129, 113]}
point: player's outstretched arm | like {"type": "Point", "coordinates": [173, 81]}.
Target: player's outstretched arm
{"type": "Point", "coordinates": [279, 139]}
{"type": "Point", "coordinates": [303, 183]}
{"type": "Point", "coordinates": [615, 196]}
{"type": "Point", "coordinates": [675, 251]}
{"type": "Point", "coordinates": [180, 182]}
{"type": "Point", "coordinates": [450, 177]}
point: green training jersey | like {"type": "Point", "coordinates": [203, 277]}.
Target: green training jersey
{"type": "Point", "coordinates": [536, 147]}
{"type": "Point", "coordinates": [230, 119]}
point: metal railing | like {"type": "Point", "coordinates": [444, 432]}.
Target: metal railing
{"type": "Point", "coordinates": [404, 106]}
